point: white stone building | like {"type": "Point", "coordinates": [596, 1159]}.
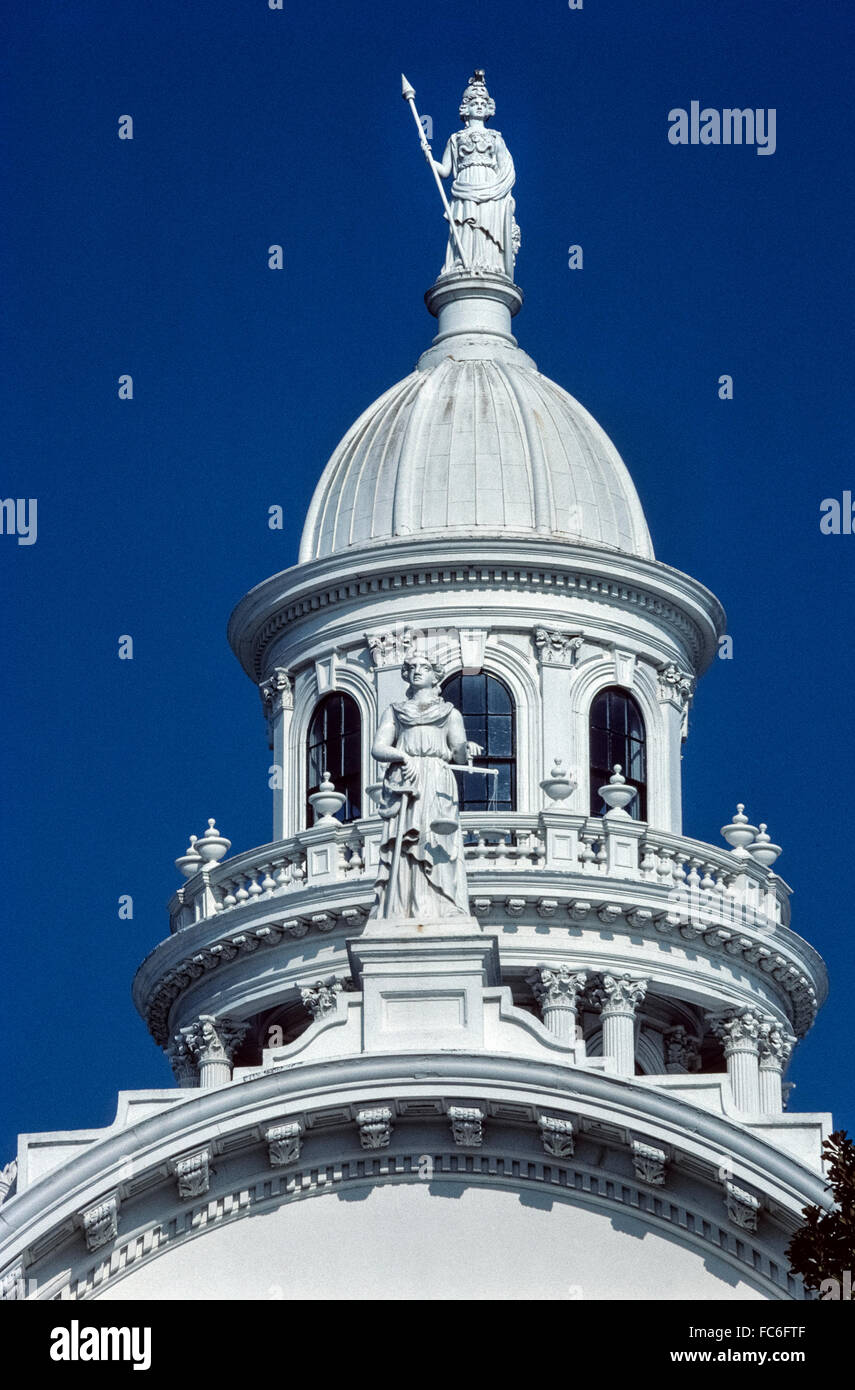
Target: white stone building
{"type": "Point", "coordinates": [577, 1091]}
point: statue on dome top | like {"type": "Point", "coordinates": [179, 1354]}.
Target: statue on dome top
{"type": "Point", "coordinates": [422, 872]}
{"type": "Point", "coordinates": [484, 236]}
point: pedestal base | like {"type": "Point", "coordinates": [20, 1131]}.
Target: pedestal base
{"type": "Point", "coordinates": [422, 983]}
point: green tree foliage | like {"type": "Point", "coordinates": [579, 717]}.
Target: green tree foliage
{"type": "Point", "coordinates": [824, 1247]}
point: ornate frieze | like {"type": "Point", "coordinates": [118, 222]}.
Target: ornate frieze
{"type": "Point", "coordinates": [649, 1163]}
{"type": "Point", "coordinates": [375, 1127]}
{"type": "Point", "coordinates": [556, 1136]}
{"type": "Point", "coordinates": [193, 1174]}
{"type": "Point", "coordinates": [466, 1125]}
{"type": "Point", "coordinates": [556, 648]}
{"type": "Point", "coordinates": [742, 1208]}
{"type": "Point", "coordinates": [101, 1223]}
{"type": "Point", "coordinates": [284, 1143]}
{"type": "Point", "coordinates": [320, 998]}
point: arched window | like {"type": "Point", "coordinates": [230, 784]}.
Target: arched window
{"type": "Point", "coordinates": [488, 713]}
{"type": "Point", "coordinates": [617, 736]}
{"type": "Point", "coordinates": [335, 745]}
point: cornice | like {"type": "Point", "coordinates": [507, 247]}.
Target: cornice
{"type": "Point", "coordinates": [174, 966]}
{"type": "Point", "coordinates": [323, 1096]}
{"type": "Point", "coordinates": [533, 563]}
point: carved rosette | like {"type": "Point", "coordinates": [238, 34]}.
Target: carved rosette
{"type": "Point", "coordinates": [681, 1051]}
{"type": "Point", "coordinates": [320, 998]}
{"type": "Point", "coordinates": [556, 648]}
{"type": "Point", "coordinates": [284, 1143]}
{"type": "Point", "coordinates": [390, 647]}
{"type": "Point", "coordinates": [467, 1123]}
{"type": "Point", "coordinates": [101, 1223]}
{"type": "Point", "coordinates": [375, 1127]}
{"type": "Point", "coordinates": [649, 1163]}
{"type": "Point", "coordinates": [619, 994]}
{"type": "Point", "coordinates": [193, 1174]}
{"type": "Point", "coordinates": [556, 1136]}
{"type": "Point", "coordinates": [742, 1208]}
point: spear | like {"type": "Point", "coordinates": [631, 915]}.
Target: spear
{"type": "Point", "coordinates": [409, 95]}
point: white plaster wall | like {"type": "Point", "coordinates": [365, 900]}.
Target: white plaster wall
{"type": "Point", "coordinates": [434, 1240]}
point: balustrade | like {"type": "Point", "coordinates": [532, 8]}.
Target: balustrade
{"type": "Point", "coordinates": [705, 889]}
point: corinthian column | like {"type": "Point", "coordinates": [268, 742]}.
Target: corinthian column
{"type": "Point", "coordinates": [213, 1042]}
{"type": "Point", "coordinates": [776, 1047]}
{"type": "Point", "coordinates": [740, 1030]}
{"type": "Point", "coordinates": [557, 989]}
{"type": "Point", "coordinates": [277, 701]}
{"type": "Point", "coordinates": [618, 997]}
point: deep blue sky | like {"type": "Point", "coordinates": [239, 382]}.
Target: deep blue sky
{"type": "Point", "coordinates": [149, 257]}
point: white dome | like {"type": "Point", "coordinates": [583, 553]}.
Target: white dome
{"type": "Point", "coordinates": [482, 444]}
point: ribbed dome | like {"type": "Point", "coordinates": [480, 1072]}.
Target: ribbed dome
{"type": "Point", "coordinates": [476, 442]}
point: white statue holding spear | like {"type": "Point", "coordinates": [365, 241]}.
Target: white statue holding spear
{"type": "Point", "coordinates": [484, 236]}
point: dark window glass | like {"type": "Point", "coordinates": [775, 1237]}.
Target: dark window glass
{"type": "Point", "coordinates": [488, 713]}
{"type": "Point", "coordinates": [617, 736]}
{"type": "Point", "coordinates": [335, 745]}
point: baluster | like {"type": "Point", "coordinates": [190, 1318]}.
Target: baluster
{"type": "Point", "coordinates": [241, 894]}
{"type": "Point", "coordinates": [268, 884]}
{"type": "Point", "coordinates": [648, 863]}
{"type": "Point", "coordinates": [666, 872]}
{"type": "Point", "coordinates": [229, 899]}
{"type": "Point", "coordinates": [255, 889]}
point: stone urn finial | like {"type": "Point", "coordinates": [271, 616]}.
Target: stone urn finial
{"type": "Point", "coordinates": [191, 861]}
{"type": "Point", "coordinates": [212, 845]}
{"type": "Point", "coordinates": [740, 833]}
{"type": "Point", "coordinates": [559, 784]}
{"type": "Point", "coordinates": [617, 793]}
{"type": "Point", "coordinates": [762, 848]}
{"type": "Point", "coordinates": [326, 802]}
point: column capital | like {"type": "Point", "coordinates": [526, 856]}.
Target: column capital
{"type": "Point", "coordinates": [739, 1030]}
{"type": "Point", "coordinates": [277, 692]}
{"type": "Point", "coordinates": [619, 994]}
{"type": "Point", "coordinates": [776, 1046]}
{"type": "Point", "coordinates": [390, 646]}
{"type": "Point", "coordinates": [557, 986]}
{"type": "Point", "coordinates": [182, 1061]}
{"type": "Point", "coordinates": [555, 647]}
{"type": "Point", "coordinates": [211, 1039]}
{"type": "Point", "coordinates": [320, 998]}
